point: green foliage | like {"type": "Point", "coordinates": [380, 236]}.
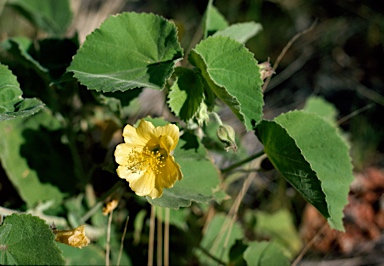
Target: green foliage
{"type": "Point", "coordinates": [241, 32]}
{"type": "Point", "coordinates": [186, 94]}
{"type": "Point", "coordinates": [321, 107]}
{"type": "Point", "coordinates": [50, 15]}
{"type": "Point", "coordinates": [63, 153]}
{"type": "Point", "coordinates": [231, 72]}
{"type": "Point", "coordinates": [312, 156]}
{"type": "Point", "coordinates": [116, 59]}
{"type": "Point", "coordinates": [264, 253]}
{"type": "Point", "coordinates": [28, 240]}
{"type": "Point", "coordinates": [12, 104]}
{"type": "Point", "coordinates": [280, 229]}
{"type": "Point", "coordinates": [217, 233]}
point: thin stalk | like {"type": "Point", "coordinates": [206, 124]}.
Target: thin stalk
{"type": "Point", "coordinates": [219, 261]}
{"type": "Point", "coordinates": [166, 236]}
{"type": "Point", "coordinates": [151, 235]}
{"type": "Point", "coordinates": [122, 241]}
{"type": "Point", "coordinates": [159, 236]}
{"type": "Point", "coordinates": [119, 184]}
{"type": "Point", "coordinates": [246, 160]}
{"type": "Point", "coordinates": [285, 49]}
{"type": "Point", "coordinates": [108, 247]}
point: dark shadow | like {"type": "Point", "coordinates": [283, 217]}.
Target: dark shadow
{"type": "Point", "coordinates": [50, 158]}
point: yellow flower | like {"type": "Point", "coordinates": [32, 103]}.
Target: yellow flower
{"type": "Point", "coordinates": [145, 159]}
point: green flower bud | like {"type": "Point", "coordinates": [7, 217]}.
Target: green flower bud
{"type": "Point", "coordinates": [226, 134]}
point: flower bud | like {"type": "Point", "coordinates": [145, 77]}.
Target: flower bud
{"type": "Point", "coordinates": [226, 134]}
{"type": "Point", "coordinates": [266, 70]}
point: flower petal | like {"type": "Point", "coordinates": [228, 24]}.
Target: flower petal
{"type": "Point", "coordinates": [144, 184]}
{"type": "Point", "coordinates": [168, 130]}
{"type": "Point", "coordinates": [166, 142]}
{"type": "Point", "coordinates": [145, 130]}
{"type": "Point", "coordinates": [131, 136]}
{"type": "Point", "coordinates": [169, 175]}
{"type": "Point", "coordinates": [122, 152]}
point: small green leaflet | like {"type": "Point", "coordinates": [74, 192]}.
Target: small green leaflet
{"type": "Point", "coordinates": [310, 153]}
{"type": "Point", "coordinates": [28, 240]}
{"type": "Point", "coordinates": [128, 51]}
{"type": "Point", "coordinates": [186, 94]}
{"type": "Point", "coordinates": [213, 20]}
{"type": "Point", "coordinates": [232, 73]}
{"type": "Point", "coordinates": [241, 32]}
{"type": "Point", "coordinates": [12, 104]}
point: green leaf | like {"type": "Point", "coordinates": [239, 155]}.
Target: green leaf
{"type": "Point", "coordinates": [50, 15]}
{"type": "Point", "coordinates": [129, 51]}
{"type": "Point", "coordinates": [321, 107]}
{"type": "Point", "coordinates": [264, 253]}
{"type": "Point", "coordinates": [236, 253]}
{"type": "Point", "coordinates": [286, 157]}
{"type": "Point", "coordinates": [241, 32]}
{"type": "Point", "coordinates": [213, 20]}
{"type": "Point", "coordinates": [215, 236]}
{"type": "Point", "coordinates": [313, 157]}
{"type": "Point", "coordinates": [280, 229]}
{"type": "Point", "coordinates": [18, 48]}
{"type": "Point", "coordinates": [35, 160]}
{"type": "Point", "coordinates": [12, 104]}
{"type": "Point", "coordinates": [186, 94]}
{"type": "Point", "coordinates": [89, 255]}
{"type": "Point", "coordinates": [28, 240]}
{"type": "Point", "coordinates": [200, 176]}
{"type": "Point", "coordinates": [233, 75]}
{"type": "Point", "coordinates": [318, 105]}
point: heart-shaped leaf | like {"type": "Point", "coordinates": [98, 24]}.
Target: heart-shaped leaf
{"type": "Point", "coordinates": [128, 51]}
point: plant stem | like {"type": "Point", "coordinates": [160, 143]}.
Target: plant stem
{"type": "Point", "coordinates": [246, 160]}
{"type": "Point", "coordinates": [166, 237]}
{"type": "Point", "coordinates": [159, 236]}
{"type": "Point", "coordinates": [119, 184]}
{"type": "Point", "coordinates": [107, 248]}
{"type": "Point", "coordinates": [122, 241]}
{"type": "Point", "coordinates": [151, 235]}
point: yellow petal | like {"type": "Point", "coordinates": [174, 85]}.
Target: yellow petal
{"type": "Point", "coordinates": [166, 142]}
{"type": "Point", "coordinates": [144, 184]}
{"type": "Point", "coordinates": [132, 137]}
{"type": "Point", "coordinates": [145, 130]}
{"type": "Point", "coordinates": [121, 153]}
{"type": "Point", "coordinates": [155, 193]}
{"type": "Point", "coordinates": [169, 175]}
{"type": "Point", "coordinates": [168, 130]}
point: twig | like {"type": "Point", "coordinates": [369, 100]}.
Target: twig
{"type": "Point", "coordinates": [108, 247]}
{"type": "Point", "coordinates": [122, 241]}
{"type": "Point", "coordinates": [151, 235]}
{"type": "Point", "coordinates": [235, 208]}
{"type": "Point", "coordinates": [285, 49]}
{"type": "Point", "coordinates": [354, 113]}
{"type": "Point", "coordinates": [310, 243]}
{"type": "Point", "coordinates": [166, 237]}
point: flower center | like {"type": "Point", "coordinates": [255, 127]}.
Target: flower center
{"type": "Point", "coordinates": [150, 158]}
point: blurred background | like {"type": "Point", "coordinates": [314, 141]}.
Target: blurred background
{"type": "Point", "coordinates": [340, 59]}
